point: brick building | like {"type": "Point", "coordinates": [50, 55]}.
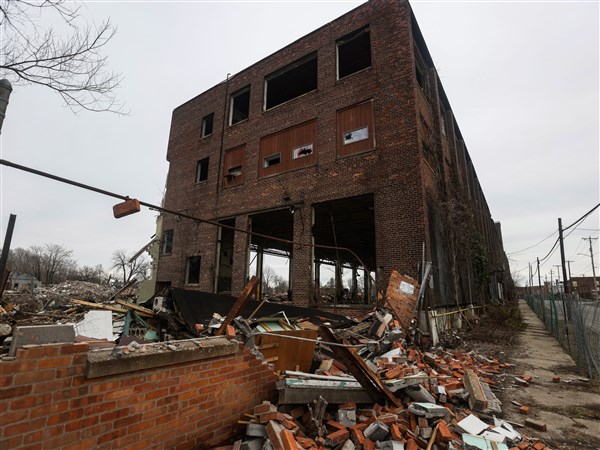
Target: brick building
{"type": "Point", "coordinates": [339, 153]}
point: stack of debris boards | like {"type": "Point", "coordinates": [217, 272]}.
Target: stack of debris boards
{"type": "Point", "coordinates": [369, 388]}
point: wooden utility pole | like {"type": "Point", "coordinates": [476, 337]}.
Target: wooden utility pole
{"type": "Point", "coordinates": [562, 256]}
{"type": "Point", "coordinates": [593, 267]}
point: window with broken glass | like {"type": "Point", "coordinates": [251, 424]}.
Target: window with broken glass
{"type": "Point", "coordinates": [353, 52]}
{"type": "Point", "coordinates": [207, 125]}
{"type": "Point", "coordinates": [239, 109]}
{"type": "Point", "coordinates": [167, 242]}
{"type": "Point", "coordinates": [202, 170]}
{"type": "Point", "coordinates": [292, 81]}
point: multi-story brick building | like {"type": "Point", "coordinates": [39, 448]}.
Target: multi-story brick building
{"type": "Point", "coordinates": [339, 150]}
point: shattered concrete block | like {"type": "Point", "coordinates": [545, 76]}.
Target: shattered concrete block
{"type": "Point", "coordinates": [428, 410]}
{"type": "Point", "coordinates": [256, 430]}
{"type": "Point", "coordinates": [377, 431]}
{"type": "Point", "coordinates": [346, 417]}
{"type": "Point", "coordinates": [419, 394]}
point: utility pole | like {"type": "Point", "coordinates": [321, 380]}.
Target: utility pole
{"type": "Point", "coordinates": [539, 275]}
{"type": "Point", "coordinates": [557, 276]}
{"type": "Point", "coordinates": [551, 282]}
{"type": "Point", "coordinates": [593, 268]}
{"type": "Point", "coordinates": [562, 256]}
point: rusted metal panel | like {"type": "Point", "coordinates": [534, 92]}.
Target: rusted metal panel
{"type": "Point", "coordinates": [296, 147]}
{"type": "Point", "coordinates": [355, 130]}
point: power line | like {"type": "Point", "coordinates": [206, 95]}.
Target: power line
{"type": "Point", "coordinates": [534, 245]}
{"type": "Point", "coordinates": [582, 217]}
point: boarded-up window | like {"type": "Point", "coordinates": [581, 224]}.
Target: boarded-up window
{"type": "Point", "coordinates": [295, 146]}
{"type": "Point", "coordinates": [233, 166]}
{"type": "Point", "coordinates": [355, 129]}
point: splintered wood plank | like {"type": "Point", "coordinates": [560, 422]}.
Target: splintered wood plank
{"type": "Point", "coordinates": [238, 305]}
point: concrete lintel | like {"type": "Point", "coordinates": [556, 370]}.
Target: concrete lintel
{"type": "Point", "coordinates": [106, 362]}
{"type": "Point", "coordinates": [293, 392]}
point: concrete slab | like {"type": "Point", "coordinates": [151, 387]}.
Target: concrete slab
{"type": "Point", "coordinates": [40, 334]}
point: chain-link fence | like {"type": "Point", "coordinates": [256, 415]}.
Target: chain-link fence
{"type": "Point", "coordinates": [579, 334]}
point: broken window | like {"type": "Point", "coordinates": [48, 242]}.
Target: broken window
{"type": "Point", "coordinates": [292, 81]}
{"type": "Point", "coordinates": [421, 74]}
{"type": "Point", "coordinates": [353, 52]}
{"type": "Point", "coordinates": [202, 170]}
{"type": "Point", "coordinates": [355, 129]}
{"type": "Point", "coordinates": [166, 245]}
{"type": "Point", "coordinates": [357, 135]}
{"type": "Point", "coordinates": [192, 272]}
{"type": "Point", "coordinates": [240, 106]}
{"type": "Point", "coordinates": [233, 166]}
{"type": "Point", "coordinates": [272, 160]}
{"type": "Point", "coordinates": [207, 125]}
{"type": "Point", "coordinates": [302, 151]}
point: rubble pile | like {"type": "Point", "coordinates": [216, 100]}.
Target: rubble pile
{"type": "Point", "coordinates": [373, 381]}
{"type": "Point", "coordinates": [407, 398]}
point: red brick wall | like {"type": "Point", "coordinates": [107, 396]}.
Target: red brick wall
{"type": "Point", "coordinates": [391, 171]}
{"type": "Point", "coordinates": [47, 402]}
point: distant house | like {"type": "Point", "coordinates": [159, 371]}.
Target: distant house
{"type": "Point", "coordinates": [16, 280]}
{"type": "Point", "coordinates": [584, 286]}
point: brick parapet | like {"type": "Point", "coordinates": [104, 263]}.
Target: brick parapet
{"type": "Point", "coordinates": [46, 400]}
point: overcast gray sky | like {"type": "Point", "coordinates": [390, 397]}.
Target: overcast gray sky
{"type": "Point", "coordinates": [522, 79]}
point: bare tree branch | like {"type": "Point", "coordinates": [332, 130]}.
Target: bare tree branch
{"type": "Point", "coordinates": [72, 66]}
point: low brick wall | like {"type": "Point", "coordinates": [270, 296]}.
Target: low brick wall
{"type": "Point", "coordinates": [66, 396]}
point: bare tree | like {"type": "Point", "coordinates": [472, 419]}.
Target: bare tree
{"type": "Point", "coordinates": [129, 269]}
{"type": "Point", "coordinates": [72, 66]}
{"type": "Point", "coordinates": [268, 279]}
{"type": "Point", "coordinates": [49, 263]}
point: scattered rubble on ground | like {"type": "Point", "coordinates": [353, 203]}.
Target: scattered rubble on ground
{"type": "Point", "coordinates": [367, 382]}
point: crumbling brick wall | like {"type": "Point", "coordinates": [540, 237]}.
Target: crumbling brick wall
{"type": "Point", "coordinates": [47, 401]}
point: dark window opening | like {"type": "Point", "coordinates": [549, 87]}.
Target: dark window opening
{"type": "Point", "coordinates": [225, 254]}
{"type": "Point", "coordinates": [354, 52]}
{"type": "Point", "coordinates": [292, 81]}
{"type": "Point", "coordinates": [166, 246]}
{"type": "Point", "coordinates": [272, 160]}
{"type": "Point", "coordinates": [240, 106]}
{"type": "Point", "coordinates": [202, 170]}
{"type": "Point", "coordinates": [342, 276]}
{"type": "Point", "coordinates": [207, 125]}
{"type": "Point", "coordinates": [192, 273]}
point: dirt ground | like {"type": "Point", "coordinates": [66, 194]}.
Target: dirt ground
{"type": "Point", "coordinates": [570, 408]}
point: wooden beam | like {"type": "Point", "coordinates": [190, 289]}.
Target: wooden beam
{"type": "Point", "coordinates": [136, 307]}
{"type": "Point", "coordinates": [99, 306]}
{"type": "Point", "coordinates": [239, 305]}
{"type": "Point", "coordinates": [359, 369]}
